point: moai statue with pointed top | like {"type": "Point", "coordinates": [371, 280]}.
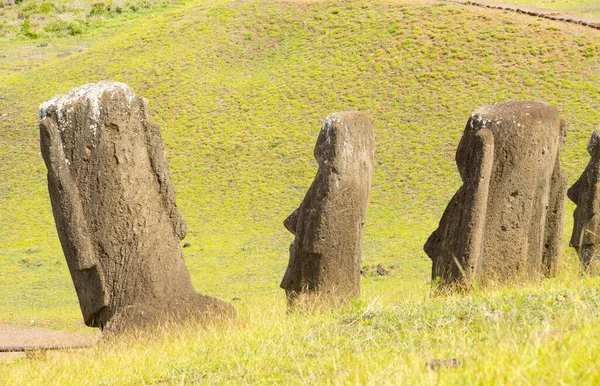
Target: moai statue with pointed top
{"type": "Point", "coordinates": [114, 207]}
{"type": "Point", "coordinates": [585, 193]}
{"type": "Point", "coordinates": [505, 222]}
{"type": "Point", "coordinates": [328, 225]}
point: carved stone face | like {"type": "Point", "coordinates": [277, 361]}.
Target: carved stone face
{"type": "Point", "coordinates": [503, 221]}
{"type": "Point", "coordinates": [328, 224]}
{"type": "Point", "coordinates": [114, 207]}
{"type": "Point", "coordinates": [447, 247]}
{"type": "Point", "coordinates": [584, 193]}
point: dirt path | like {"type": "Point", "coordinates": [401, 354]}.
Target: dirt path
{"type": "Point", "coordinates": [29, 336]}
{"type": "Point", "coordinates": [538, 12]}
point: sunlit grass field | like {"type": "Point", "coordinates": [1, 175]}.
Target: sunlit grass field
{"type": "Point", "coordinates": [240, 90]}
{"type": "Point", "coordinates": [35, 19]}
{"type": "Point", "coordinates": [541, 335]}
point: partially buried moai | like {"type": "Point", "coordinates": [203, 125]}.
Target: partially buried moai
{"type": "Point", "coordinates": [114, 207]}
{"type": "Point", "coordinates": [328, 226]}
{"type": "Point", "coordinates": [585, 193]}
{"type": "Point", "coordinates": [505, 222]}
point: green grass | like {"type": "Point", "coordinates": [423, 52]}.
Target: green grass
{"type": "Point", "coordinates": [239, 90]}
{"type": "Point", "coordinates": [35, 19]}
{"type": "Point", "coordinates": [578, 7]}
{"type": "Point", "coordinates": [542, 335]}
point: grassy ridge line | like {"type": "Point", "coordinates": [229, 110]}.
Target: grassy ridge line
{"type": "Point", "coordinates": [239, 91]}
{"type": "Point", "coordinates": [578, 7]}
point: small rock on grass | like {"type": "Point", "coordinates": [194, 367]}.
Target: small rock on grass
{"type": "Point", "coordinates": [381, 271]}
{"type": "Point", "coordinates": [437, 364]}
{"type": "Point", "coordinates": [371, 270]}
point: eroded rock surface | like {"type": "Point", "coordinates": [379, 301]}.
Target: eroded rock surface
{"type": "Point", "coordinates": [505, 222]}
{"type": "Point", "coordinates": [585, 193]}
{"type": "Point", "coordinates": [328, 226]}
{"type": "Point", "coordinates": [114, 207]}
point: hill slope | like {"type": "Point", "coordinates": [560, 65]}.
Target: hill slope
{"type": "Point", "coordinates": [240, 89]}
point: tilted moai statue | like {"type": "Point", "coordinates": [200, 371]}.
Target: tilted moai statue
{"type": "Point", "coordinates": [585, 193]}
{"type": "Point", "coordinates": [328, 226]}
{"type": "Point", "coordinates": [114, 207]}
{"type": "Point", "coordinates": [505, 222]}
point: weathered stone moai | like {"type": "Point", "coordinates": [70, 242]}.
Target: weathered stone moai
{"type": "Point", "coordinates": [114, 207]}
{"type": "Point", "coordinates": [585, 193]}
{"type": "Point", "coordinates": [328, 226]}
{"type": "Point", "coordinates": [505, 222]}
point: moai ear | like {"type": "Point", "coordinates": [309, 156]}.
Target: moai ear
{"type": "Point", "coordinates": [481, 157]}
{"type": "Point", "coordinates": [50, 146]}
{"type": "Point", "coordinates": [476, 177]}
{"type": "Point", "coordinates": [158, 162]}
{"type": "Point", "coordinates": [553, 232]}
{"type": "Point", "coordinates": [465, 148]}
{"type": "Point", "coordinates": [325, 147]}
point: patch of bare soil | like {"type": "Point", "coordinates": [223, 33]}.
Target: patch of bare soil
{"type": "Point", "coordinates": [11, 336]}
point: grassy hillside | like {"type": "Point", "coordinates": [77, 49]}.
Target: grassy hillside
{"type": "Point", "coordinates": [35, 19]}
{"type": "Point", "coordinates": [239, 90]}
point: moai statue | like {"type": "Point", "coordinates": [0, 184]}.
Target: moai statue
{"type": "Point", "coordinates": [585, 193]}
{"type": "Point", "coordinates": [328, 226]}
{"type": "Point", "coordinates": [114, 207]}
{"type": "Point", "coordinates": [505, 222]}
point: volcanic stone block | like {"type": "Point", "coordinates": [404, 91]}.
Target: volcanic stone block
{"type": "Point", "coordinates": [585, 193]}
{"type": "Point", "coordinates": [114, 207]}
{"type": "Point", "coordinates": [328, 226]}
{"type": "Point", "coordinates": [505, 222]}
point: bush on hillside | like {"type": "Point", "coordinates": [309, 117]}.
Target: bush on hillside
{"type": "Point", "coordinates": [27, 30]}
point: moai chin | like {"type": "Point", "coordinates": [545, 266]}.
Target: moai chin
{"type": "Point", "coordinates": [328, 225]}
{"type": "Point", "coordinates": [585, 194]}
{"type": "Point", "coordinates": [114, 207]}
{"type": "Point", "coordinates": [505, 222]}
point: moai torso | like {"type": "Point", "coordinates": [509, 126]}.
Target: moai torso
{"type": "Point", "coordinates": [114, 203]}
{"type": "Point", "coordinates": [585, 193]}
{"type": "Point", "coordinates": [505, 221]}
{"type": "Point", "coordinates": [328, 226]}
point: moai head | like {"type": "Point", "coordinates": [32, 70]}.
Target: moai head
{"type": "Point", "coordinates": [328, 225]}
{"type": "Point", "coordinates": [114, 207]}
{"type": "Point", "coordinates": [505, 221]}
{"type": "Point", "coordinates": [585, 194]}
